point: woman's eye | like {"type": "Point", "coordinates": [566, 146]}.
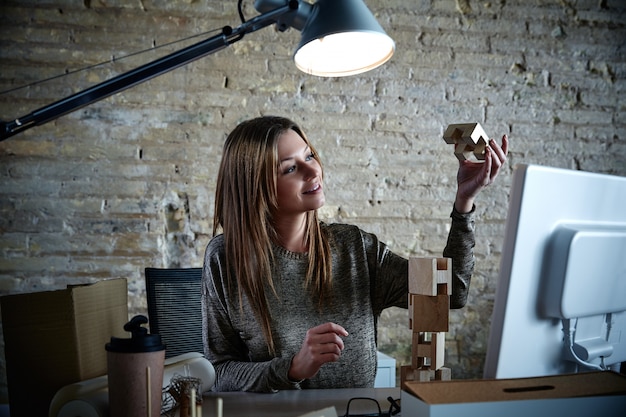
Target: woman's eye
{"type": "Point", "coordinates": [290, 169]}
{"type": "Point", "coordinates": [310, 156]}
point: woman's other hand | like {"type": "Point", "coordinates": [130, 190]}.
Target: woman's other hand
{"type": "Point", "coordinates": [322, 344]}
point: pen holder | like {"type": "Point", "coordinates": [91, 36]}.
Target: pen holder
{"type": "Point", "coordinates": [135, 372]}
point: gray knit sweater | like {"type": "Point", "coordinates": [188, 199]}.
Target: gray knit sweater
{"type": "Point", "coordinates": [367, 278]}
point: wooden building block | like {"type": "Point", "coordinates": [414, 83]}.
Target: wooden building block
{"type": "Point", "coordinates": [426, 275]}
{"type": "Point", "coordinates": [429, 313]}
{"type": "Point", "coordinates": [424, 374]}
{"type": "Point", "coordinates": [428, 352]}
{"type": "Point", "coordinates": [421, 345]}
{"type": "Point", "coordinates": [420, 350]}
{"type": "Point", "coordinates": [443, 374]}
{"type": "Point", "coordinates": [438, 348]}
{"type": "Point", "coordinates": [408, 373]}
{"type": "Point", "coordinates": [468, 139]}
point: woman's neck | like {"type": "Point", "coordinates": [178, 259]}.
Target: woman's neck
{"type": "Point", "coordinates": [291, 233]}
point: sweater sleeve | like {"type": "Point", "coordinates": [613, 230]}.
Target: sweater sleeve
{"type": "Point", "coordinates": [460, 247]}
{"type": "Point", "coordinates": [390, 282]}
{"type": "Point", "coordinates": [223, 344]}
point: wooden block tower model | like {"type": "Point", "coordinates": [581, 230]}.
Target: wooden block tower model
{"type": "Point", "coordinates": [430, 281]}
{"type": "Point", "coordinates": [468, 139]}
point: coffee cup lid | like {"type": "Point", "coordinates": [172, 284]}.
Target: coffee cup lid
{"type": "Point", "coordinates": [140, 340]}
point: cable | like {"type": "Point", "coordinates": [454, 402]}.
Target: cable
{"type": "Point", "coordinates": [609, 325]}
{"type": "Point", "coordinates": [112, 60]}
{"type": "Point", "coordinates": [569, 335]}
{"type": "Point", "coordinates": [240, 11]}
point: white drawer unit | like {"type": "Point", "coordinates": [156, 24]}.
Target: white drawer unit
{"type": "Point", "coordinates": [386, 371]}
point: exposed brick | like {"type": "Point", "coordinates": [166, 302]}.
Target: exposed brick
{"type": "Point", "coordinates": [85, 197]}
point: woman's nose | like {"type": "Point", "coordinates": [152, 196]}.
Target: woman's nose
{"type": "Point", "coordinates": [310, 170]}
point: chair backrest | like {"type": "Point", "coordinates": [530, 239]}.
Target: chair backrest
{"type": "Point", "coordinates": [174, 308]}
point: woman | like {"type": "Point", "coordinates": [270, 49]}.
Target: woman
{"type": "Point", "coordinates": [288, 301]}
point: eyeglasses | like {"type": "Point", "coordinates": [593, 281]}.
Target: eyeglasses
{"type": "Point", "coordinates": [364, 403]}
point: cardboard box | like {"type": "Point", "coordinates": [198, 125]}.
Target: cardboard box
{"type": "Point", "coordinates": [56, 338]}
{"type": "Point", "coordinates": [584, 394]}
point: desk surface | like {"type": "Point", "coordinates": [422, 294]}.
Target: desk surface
{"type": "Point", "coordinates": [292, 403]}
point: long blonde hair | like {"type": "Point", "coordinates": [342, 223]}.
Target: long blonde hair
{"type": "Point", "coordinates": [245, 199]}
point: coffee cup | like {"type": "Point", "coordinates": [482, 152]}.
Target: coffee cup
{"type": "Point", "coordinates": [135, 372]}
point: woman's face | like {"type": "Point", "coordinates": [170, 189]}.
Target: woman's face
{"type": "Point", "coordinates": [299, 181]}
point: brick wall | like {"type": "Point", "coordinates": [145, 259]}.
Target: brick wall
{"type": "Point", "coordinates": [128, 182]}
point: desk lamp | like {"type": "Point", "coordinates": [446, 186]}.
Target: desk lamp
{"type": "Point", "coordinates": [339, 38]}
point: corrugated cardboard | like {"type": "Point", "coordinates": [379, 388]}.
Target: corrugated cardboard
{"type": "Point", "coordinates": [56, 338]}
{"type": "Point", "coordinates": [583, 394]}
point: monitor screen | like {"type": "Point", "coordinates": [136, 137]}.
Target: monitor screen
{"type": "Point", "coordinates": [560, 302]}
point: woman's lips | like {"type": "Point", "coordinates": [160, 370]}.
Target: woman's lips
{"type": "Point", "coordinates": [316, 188]}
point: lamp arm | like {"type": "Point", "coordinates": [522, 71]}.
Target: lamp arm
{"type": "Point", "coordinates": [143, 73]}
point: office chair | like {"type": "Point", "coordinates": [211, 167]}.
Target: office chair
{"type": "Point", "coordinates": [174, 308]}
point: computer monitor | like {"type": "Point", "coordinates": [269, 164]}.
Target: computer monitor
{"type": "Point", "coordinates": [560, 303]}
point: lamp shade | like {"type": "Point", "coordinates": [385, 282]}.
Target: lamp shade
{"type": "Point", "coordinates": [340, 38]}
